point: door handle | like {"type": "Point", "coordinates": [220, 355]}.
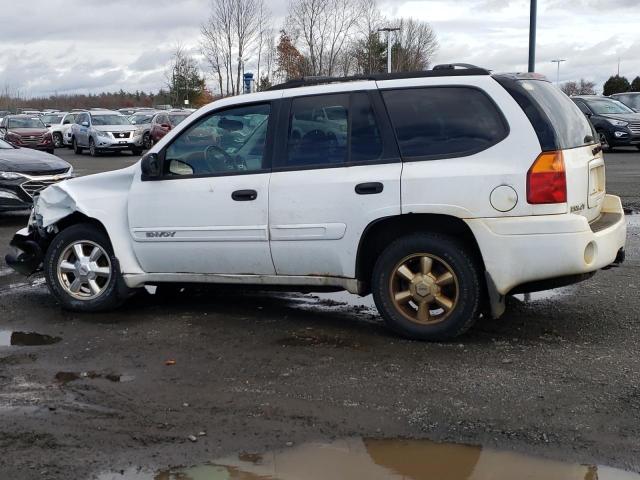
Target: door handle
{"type": "Point", "coordinates": [244, 195]}
{"type": "Point", "coordinates": [370, 188]}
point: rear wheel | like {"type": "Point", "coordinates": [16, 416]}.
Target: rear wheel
{"type": "Point", "coordinates": [76, 148]}
{"type": "Point", "coordinates": [427, 286]}
{"type": "Point", "coordinates": [82, 271]}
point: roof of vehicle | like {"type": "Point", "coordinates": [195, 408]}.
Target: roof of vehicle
{"type": "Point", "coordinates": [444, 70]}
{"type": "Point", "coordinates": [624, 93]}
{"type": "Point", "coordinates": [103, 112]}
{"type": "Point", "coordinates": [587, 97]}
{"type": "Point", "coordinates": [20, 115]}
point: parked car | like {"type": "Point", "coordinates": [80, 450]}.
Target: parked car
{"type": "Point", "coordinates": [143, 121]}
{"type": "Point", "coordinates": [102, 131]}
{"type": "Point", "coordinates": [630, 99]}
{"type": "Point", "coordinates": [615, 123]}
{"type": "Point", "coordinates": [58, 125]}
{"type": "Point", "coordinates": [25, 172]}
{"type": "Point", "coordinates": [127, 111]}
{"type": "Point", "coordinates": [455, 189]}
{"type": "Point", "coordinates": [26, 131]}
{"type": "Point", "coordinates": [164, 122]}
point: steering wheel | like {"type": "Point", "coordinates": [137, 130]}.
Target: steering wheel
{"type": "Point", "coordinates": [220, 160]}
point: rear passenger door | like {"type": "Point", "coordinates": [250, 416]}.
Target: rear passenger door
{"type": "Point", "coordinates": [336, 170]}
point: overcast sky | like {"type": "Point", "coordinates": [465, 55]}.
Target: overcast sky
{"type": "Point", "coordinates": [84, 46]}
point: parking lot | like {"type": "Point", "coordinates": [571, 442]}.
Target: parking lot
{"type": "Point", "coordinates": [167, 382]}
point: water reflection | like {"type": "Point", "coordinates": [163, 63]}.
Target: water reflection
{"type": "Point", "coordinates": [373, 459]}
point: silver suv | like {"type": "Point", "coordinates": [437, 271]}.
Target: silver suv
{"type": "Point", "coordinates": [102, 131]}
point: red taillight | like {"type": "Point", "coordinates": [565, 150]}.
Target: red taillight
{"type": "Point", "coordinates": [547, 180]}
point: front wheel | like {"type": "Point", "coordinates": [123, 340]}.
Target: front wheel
{"type": "Point", "coordinates": [82, 271]}
{"type": "Point", "coordinates": [76, 148]}
{"type": "Point", "coordinates": [93, 151]}
{"type": "Point", "coordinates": [57, 140]}
{"type": "Point", "coordinates": [427, 286]}
{"type": "Point", "coordinates": [147, 141]}
{"type": "Point", "coordinates": [604, 141]}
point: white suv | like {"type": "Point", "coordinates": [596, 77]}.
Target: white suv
{"type": "Point", "coordinates": [440, 192]}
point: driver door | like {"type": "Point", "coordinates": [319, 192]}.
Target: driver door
{"type": "Point", "coordinates": [208, 213]}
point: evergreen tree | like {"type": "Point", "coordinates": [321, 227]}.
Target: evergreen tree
{"type": "Point", "coordinates": [616, 84]}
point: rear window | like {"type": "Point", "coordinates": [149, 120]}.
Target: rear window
{"type": "Point", "coordinates": [558, 121]}
{"type": "Point", "coordinates": [444, 122]}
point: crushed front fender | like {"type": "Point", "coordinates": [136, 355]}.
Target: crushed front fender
{"type": "Point", "coordinates": [25, 252]}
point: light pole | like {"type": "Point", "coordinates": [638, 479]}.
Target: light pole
{"type": "Point", "coordinates": [558, 61]}
{"type": "Point", "coordinates": [389, 30]}
{"type": "Point", "coordinates": [532, 35]}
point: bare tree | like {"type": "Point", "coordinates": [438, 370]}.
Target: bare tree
{"type": "Point", "coordinates": [325, 28]}
{"type": "Point", "coordinates": [583, 87]}
{"type": "Point", "coordinates": [231, 36]}
{"type": "Point", "coordinates": [183, 76]}
{"type": "Point", "coordinates": [416, 43]}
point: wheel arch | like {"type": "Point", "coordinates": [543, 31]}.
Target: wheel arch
{"type": "Point", "coordinates": [379, 233]}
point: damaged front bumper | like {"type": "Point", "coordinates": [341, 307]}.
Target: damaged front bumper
{"type": "Point", "coordinates": [26, 252]}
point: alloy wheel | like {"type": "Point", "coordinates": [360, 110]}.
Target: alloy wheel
{"type": "Point", "coordinates": [84, 270]}
{"type": "Point", "coordinates": [424, 288]}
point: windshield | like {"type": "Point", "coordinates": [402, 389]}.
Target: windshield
{"type": "Point", "coordinates": [604, 106]}
{"type": "Point", "coordinates": [632, 101]}
{"type": "Point", "coordinates": [4, 145]}
{"type": "Point", "coordinates": [176, 119]}
{"type": "Point", "coordinates": [140, 119]}
{"type": "Point", "coordinates": [100, 120]}
{"type": "Point", "coordinates": [25, 122]}
{"type": "Point", "coordinates": [51, 119]}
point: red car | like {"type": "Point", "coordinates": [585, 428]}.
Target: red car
{"type": "Point", "coordinates": [164, 122]}
{"type": "Point", "coordinates": [26, 131]}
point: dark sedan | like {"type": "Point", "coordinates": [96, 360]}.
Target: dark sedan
{"type": "Point", "coordinates": [26, 131]}
{"type": "Point", "coordinates": [616, 124]}
{"type": "Point", "coordinates": [25, 172]}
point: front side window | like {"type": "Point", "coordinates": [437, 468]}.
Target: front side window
{"type": "Point", "coordinates": [332, 130]}
{"type": "Point", "coordinates": [230, 141]}
{"type": "Point", "coordinates": [444, 122]}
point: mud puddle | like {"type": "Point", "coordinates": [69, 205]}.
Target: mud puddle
{"type": "Point", "coordinates": [373, 459]}
{"type": "Point", "coordinates": [308, 338]}
{"type": "Point", "coordinates": [66, 377]}
{"type": "Point", "coordinates": [9, 338]}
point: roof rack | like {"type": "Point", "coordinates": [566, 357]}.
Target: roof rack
{"type": "Point", "coordinates": [445, 70]}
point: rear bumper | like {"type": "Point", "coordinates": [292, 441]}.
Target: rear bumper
{"type": "Point", "coordinates": [521, 250]}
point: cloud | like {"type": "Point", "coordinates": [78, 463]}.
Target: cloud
{"type": "Point", "coordinates": [94, 45]}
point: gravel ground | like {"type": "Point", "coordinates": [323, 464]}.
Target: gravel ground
{"type": "Point", "coordinates": [557, 376]}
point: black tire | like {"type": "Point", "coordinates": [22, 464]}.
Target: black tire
{"type": "Point", "coordinates": [114, 291]}
{"type": "Point", "coordinates": [147, 142]}
{"type": "Point", "coordinates": [605, 141]}
{"type": "Point", "coordinates": [57, 140]}
{"type": "Point", "coordinates": [76, 148]}
{"type": "Point", "coordinates": [136, 152]}
{"type": "Point", "coordinates": [462, 263]}
{"type": "Point", "coordinates": [50, 151]}
{"type": "Point", "coordinates": [93, 150]}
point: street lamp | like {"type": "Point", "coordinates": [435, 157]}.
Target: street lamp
{"type": "Point", "coordinates": [558, 61]}
{"type": "Point", "coordinates": [388, 30]}
{"type": "Point", "coordinates": [532, 35]}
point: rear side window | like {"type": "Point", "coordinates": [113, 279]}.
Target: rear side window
{"type": "Point", "coordinates": [557, 120]}
{"type": "Point", "coordinates": [333, 130]}
{"type": "Point", "coordinates": [444, 122]}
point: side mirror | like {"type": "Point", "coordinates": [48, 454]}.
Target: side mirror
{"type": "Point", "coordinates": [48, 125]}
{"type": "Point", "coordinates": [166, 125]}
{"type": "Point", "coordinates": [85, 124]}
{"type": "Point", "coordinates": [151, 166]}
